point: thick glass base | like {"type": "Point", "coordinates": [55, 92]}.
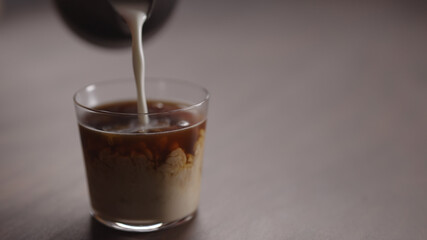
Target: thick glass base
{"type": "Point", "coordinates": [141, 227]}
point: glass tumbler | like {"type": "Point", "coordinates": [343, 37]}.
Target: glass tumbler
{"type": "Point", "coordinates": [143, 170]}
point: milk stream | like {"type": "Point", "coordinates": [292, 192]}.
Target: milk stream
{"type": "Point", "coordinates": [135, 16]}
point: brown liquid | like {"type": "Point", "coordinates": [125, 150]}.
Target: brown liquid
{"type": "Point", "coordinates": [157, 141]}
{"type": "Point", "coordinates": [143, 176]}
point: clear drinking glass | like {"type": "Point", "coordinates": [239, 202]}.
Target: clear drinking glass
{"type": "Point", "coordinates": [142, 176]}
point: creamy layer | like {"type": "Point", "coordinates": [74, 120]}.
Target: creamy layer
{"type": "Point", "coordinates": [132, 188]}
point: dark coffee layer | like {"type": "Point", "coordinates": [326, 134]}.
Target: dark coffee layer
{"type": "Point", "coordinates": [176, 129]}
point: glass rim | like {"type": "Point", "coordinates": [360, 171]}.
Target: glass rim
{"type": "Point", "coordinates": [122, 80]}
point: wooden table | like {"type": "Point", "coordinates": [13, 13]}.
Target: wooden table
{"type": "Point", "coordinates": [317, 125]}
